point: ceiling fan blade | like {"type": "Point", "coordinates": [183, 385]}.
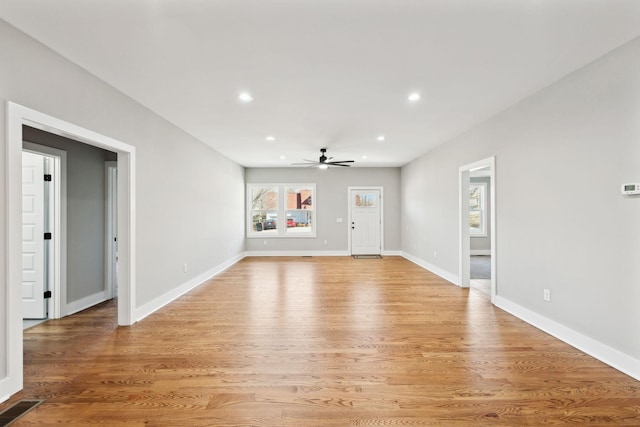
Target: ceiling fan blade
{"type": "Point", "coordinates": [324, 161]}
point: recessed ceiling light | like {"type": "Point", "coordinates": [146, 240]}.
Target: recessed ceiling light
{"type": "Point", "coordinates": [380, 138]}
{"type": "Point", "coordinates": [245, 97]}
{"type": "Point", "coordinates": [270, 138]}
{"type": "Point", "coordinates": [364, 157]}
{"type": "Point", "coordinates": [282, 157]}
{"type": "Point", "coordinates": [413, 97]}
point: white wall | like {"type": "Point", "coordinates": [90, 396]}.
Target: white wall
{"type": "Point", "coordinates": [562, 224]}
{"type": "Point", "coordinates": [332, 203]}
{"type": "Point", "coordinates": [188, 196]}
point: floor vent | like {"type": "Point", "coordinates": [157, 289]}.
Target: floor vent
{"type": "Point", "coordinates": [367, 256]}
{"type": "Point", "coordinates": [11, 414]}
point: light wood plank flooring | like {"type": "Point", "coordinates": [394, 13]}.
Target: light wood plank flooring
{"type": "Point", "coordinates": [324, 341]}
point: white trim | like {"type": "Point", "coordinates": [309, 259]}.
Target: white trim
{"type": "Point", "coordinates": [392, 253]}
{"type": "Point", "coordinates": [432, 268]}
{"type": "Point", "coordinates": [111, 194]}
{"type": "Point", "coordinates": [600, 351]}
{"type": "Point", "coordinates": [349, 219]}
{"type": "Point", "coordinates": [16, 117]}
{"type": "Point", "coordinates": [163, 300]}
{"type": "Point", "coordinates": [313, 253]}
{"type": "Point", "coordinates": [59, 264]}
{"type": "Point", "coordinates": [480, 251]}
{"type": "Point", "coordinates": [297, 253]}
{"type": "Point", "coordinates": [86, 302]}
{"type": "Point", "coordinates": [5, 384]}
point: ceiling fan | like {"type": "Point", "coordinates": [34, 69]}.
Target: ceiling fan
{"type": "Point", "coordinates": [323, 162]}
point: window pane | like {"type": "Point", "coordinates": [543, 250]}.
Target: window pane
{"type": "Point", "coordinates": [279, 210]}
{"type": "Point", "coordinates": [265, 221]}
{"type": "Point", "coordinates": [363, 200]}
{"type": "Point", "coordinates": [264, 198]}
{"type": "Point", "coordinates": [299, 198]}
{"type": "Point", "coordinates": [299, 221]}
{"type": "Point", "coordinates": [475, 223]}
{"type": "Point", "coordinates": [475, 197]}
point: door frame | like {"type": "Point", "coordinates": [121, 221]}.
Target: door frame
{"type": "Point", "coordinates": [366, 188]}
{"type": "Point", "coordinates": [111, 226]}
{"type": "Point", "coordinates": [58, 266]}
{"type": "Point", "coordinates": [17, 116]}
{"type": "Point", "coordinates": [465, 244]}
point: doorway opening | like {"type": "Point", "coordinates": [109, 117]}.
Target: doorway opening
{"type": "Point", "coordinates": [18, 116]}
{"type": "Point", "coordinates": [478, 226]}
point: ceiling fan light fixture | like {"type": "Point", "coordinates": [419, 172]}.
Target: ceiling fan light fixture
{"type": "Point", "coordinates": [323, 166]}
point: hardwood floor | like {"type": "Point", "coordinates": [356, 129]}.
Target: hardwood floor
{"type": "Point", "coordinates": [325, 341]}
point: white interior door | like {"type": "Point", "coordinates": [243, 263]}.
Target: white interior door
{"type": "Point", "coordinates": [366, 224]}
{"type": "Point", "coordinates": [33, 243]}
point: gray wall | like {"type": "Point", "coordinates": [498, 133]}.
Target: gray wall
{"type": "Point", "coordinates": [332, 203]}
{"type": "Point", "coordinates": [189, 198]}
{"type": "Point", "coordinates": [85, 213]}
{"type": "Point", "coordinates": [483, 243]}
{"type": "Point", "coordinates": [562, 224]}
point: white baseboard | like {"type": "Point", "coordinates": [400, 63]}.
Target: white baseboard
{"type": "Point", "coordinates": [298, 253]}
{"type": "Point", "coordinates": [480, 252]}
{"type": "Point", "coordinates": [391, 253]}
{"type": "Point", "coordinates": [612, 357]}
{"type": "Point", "coordinates": [161, 301]}
{"type": "Point", "coordinates": [313, 253]}
{"type": "Point", "coordinates": [4, 385]}
{"type": "Point", "coordinates": [84, 303]}
{"type": "Point", "coordinates": [432, 268]}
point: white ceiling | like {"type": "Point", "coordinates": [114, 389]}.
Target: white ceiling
{"type": "Point", "coordinates": [327, 73]}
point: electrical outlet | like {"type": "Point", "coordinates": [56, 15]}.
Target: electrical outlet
{"type": "Point", "coordinates": [547, 295]}
{"type": "Point", "coordinates": [325, 242]}
{"type": "Point", "coordinates": [435, 254]}
{"type": "Point", "coordinates": [185, 268]}
{"type": "Point", "coordinates": [265, 242]}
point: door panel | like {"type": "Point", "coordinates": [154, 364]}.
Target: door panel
{"type": "Point", "coordinates": [33, 249]}
{"type": "Point", "coordinates": [365, 222]}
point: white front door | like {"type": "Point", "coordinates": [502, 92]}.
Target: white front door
{"type": "Point", "coordinates": [365, 207]}
{"type": "Point", "coordinates": [33, 242]}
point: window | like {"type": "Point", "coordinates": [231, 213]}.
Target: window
{"type": "Point", "coordinates": [477, 217]}
{"type": "Point", "coordinates": [281, 210]}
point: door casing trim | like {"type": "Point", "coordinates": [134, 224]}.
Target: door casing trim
{"type": "Point", "coordinates": [17, 116]}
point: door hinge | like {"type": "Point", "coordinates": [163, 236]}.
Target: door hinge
{"type": "Point", "coordinates": [47, 177]}
{"type": "Point", "coordinates": [47, 236]}
{"type": "Point", "coordinates": [47, 294]}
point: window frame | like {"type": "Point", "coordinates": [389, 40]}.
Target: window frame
{"type": "Point", "coordinates": [482, 209]}
{"type": "Point", "coordinates": [281, 211]}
